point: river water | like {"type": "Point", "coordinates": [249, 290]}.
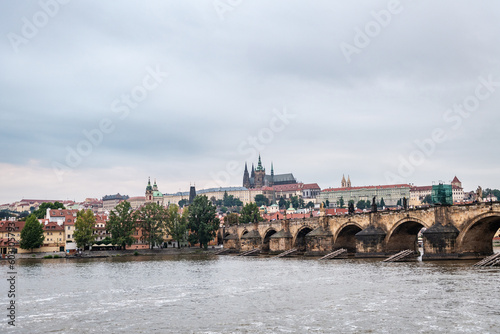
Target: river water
{"type": "Point", "coordinates": [227, 294]}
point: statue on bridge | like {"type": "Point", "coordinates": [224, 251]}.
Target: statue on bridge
{"type": "Point", "coordinates": [479, 194]}
{"type": "Point", "coordinates": [351, 208]}
{"type": "Point", "coordinates": [374, 205]}
{"type": "Point", "coordinates": [405, 203]}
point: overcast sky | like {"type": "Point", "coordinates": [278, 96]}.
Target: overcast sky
{"type": "Point", "coordinates": [96, 96]}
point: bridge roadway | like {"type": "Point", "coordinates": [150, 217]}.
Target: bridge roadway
{"type": "Point", "coordinates": [453, 232]}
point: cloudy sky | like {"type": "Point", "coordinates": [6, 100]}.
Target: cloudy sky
{"type": "Point", "coordinates": [96, 96]}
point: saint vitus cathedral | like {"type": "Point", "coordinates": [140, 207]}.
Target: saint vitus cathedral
{"type": "Point", "coordinates": [259, 179]}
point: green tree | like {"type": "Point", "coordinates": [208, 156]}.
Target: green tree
{"type": "Point", "coordinates": [310, 204]}
{"type": "Point", "coordinates": [32, 234]}
{"type": "Point", "coordinates": [202, 220]}
{"type": "Point", "coordinates": [192, 239]}
{"type": "Point", "coordinates": [327, 204]}
{"type": "Point", "coordinates": [231, 219]}
{"type": "Point", "coordinates": [399, 202]}
{"type": "Point", "coordinates": [261, 200]}
{"type": "Point", "coordinates": [340, 202]}
{"type": "Point", "coordinates": [121, 225]}
{"type": "Point", "coordinates": [223, 209]}
{"type": "Point", "coordinates": [382, 202]}
{"type": "Point", "coordinates": [250, 214]}
{"type": "Point", "coordinates": [301, 203]}
{"type": "Point", "coordinates": [361, 204]}
{"type": "Point", "coordinates": [42, 209]}
{"type": "Point", "coordinates": [84, 228]}
{"type": "Point", "coordinates": [427, 199]}
{"type": "Point", "coordinates": [151, 219]}
{"type": "Point", "coordinates": [176, 224]}
{"type": "Point", "coordinates": [295, 202]}
{"type": "Point", "coordinates": [282, 203]}
{"type": "Point", "coordinates": [183, 202]}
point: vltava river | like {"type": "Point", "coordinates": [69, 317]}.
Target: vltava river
{"type": "Point", "coordinates": [226, 294]}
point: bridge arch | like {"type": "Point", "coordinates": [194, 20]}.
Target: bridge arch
{"type": "Point", "coordinates": [243, 232]}
{"type": "Point", "coordinates": [346, 236]}
{"type": "Point", "coordinates": [404, 235]}
{"type": "Point", "coordinates": [477, 234]}
{"type": "Point", "coordinates": [266, 240]}
{"type": "Point", "coordinates": [299, 240]}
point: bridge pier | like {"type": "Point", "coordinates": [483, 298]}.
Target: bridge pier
{"type": "Point", "coordinates": [251, 240]}
{"type": "Point", "coordinates": [232, 242]}
{"type": "Point", "coordinates": [440, 239]}
{"type": "Point", "coordinates": [370, 242]}
{"type": "Point", "coordinates": [319, 242]}
{"type": "Point", "coordinates": [281, 241]}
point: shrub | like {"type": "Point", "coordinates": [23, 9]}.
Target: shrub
{"type": "Point", "coordinates": [136, 253]}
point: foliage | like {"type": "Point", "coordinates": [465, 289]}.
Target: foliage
{"type": "Point", "coordinates": [136, 253]}
{"type": "Point", "coordinates": [427, 199]}
{"type": "Point", "coordinates": [23, 215]}
{"type": "Point", "coordinates": [223, 209]}
{"type": "Point", "coordinates": [382, 202]}
{"type": "Point", "coordinates": [4, 214]}
{"type": "Point", "coordinates": [121, 225]}
{"type": "Point", "coordinates": [183, 202]}
{"type": "Point", "coordinates": [32, 234]}
{"type": "Point", "coordinates": [202, 220]}
{"type": "Point", "coordinates": [151, 219]}
{"type": "Point", "coordinates": [282, 203]}
{"type": "Point", "coordinates": [84, 228]}
{"type": "Point", "coordinates": [340, 202]}
{"type": "Point", "coordinates": [230, 200]}
{"type": "Point", "coordinates": [192, 239]}
{"type": "Point", "coordinates": [327, 204]}
{"type": "Point", "coordinates": [261, 200]}
{"type": "Point", "coordinates": [494, 192]}
{"type": "Point", "coordinates": [310, 204]}
{"type": "Point", "coordinates": [295, 202]}
{"type": "Point", "coordinates": [399, 203]}
{"type": "Point", "coordinates": [301, 203]}
{"type": "Point", "coordinates": [176, 224]}
{"type": "Point", "coordinates": [250, 214]}
{"type": "Point", "coordinates": [231, 219]}
{"type": "Point", "coordinates": [42, 209]}
{"type": "Point", "coordinates": [362, 205]}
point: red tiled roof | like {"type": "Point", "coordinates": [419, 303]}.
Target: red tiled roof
{"type": "Point", "coordinates": [18, 226]}
{"type": "Point", "coordinates": [53, 226]}
{"type": "Point", "coordinates": [368, 187]}
{"type": "Point", "coordinates": [311, 186]}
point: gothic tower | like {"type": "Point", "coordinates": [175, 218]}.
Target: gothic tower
{"type": "Point", "coordinates": [348, 181]}
{"type": "Point", "coordinates": [343, 183]}
{"type": "Point", "coordinates": [271, 181]}
{"type": "Point", "coordinates": [260, 174]}
{"type": "Point", "coordinates": [246, 178]}
{"type": "Point", "coordinates": [253, 171]}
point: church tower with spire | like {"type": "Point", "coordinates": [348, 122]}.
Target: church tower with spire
{"type": "Point", "coordinates": [343, 183]}
{"type": "Point", "coordinates": [260, 173]}
{"type": "Point", "coordinates": [348, 181]}
{"type": "Point", "coordinates": [246, 177]}
{"type": "Point", "coordinates": [149, 192]}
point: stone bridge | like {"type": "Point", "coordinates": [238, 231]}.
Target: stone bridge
{"type": "Point", "coordinates": [451, 232]}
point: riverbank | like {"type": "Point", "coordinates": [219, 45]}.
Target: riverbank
{"type": "Point", "coordinates": [115, 253]}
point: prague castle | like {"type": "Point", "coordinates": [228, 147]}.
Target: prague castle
{"type": "Point", "coordinates": [259, 179]}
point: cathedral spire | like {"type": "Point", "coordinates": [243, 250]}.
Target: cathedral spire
{"type": "Point", "coordinates": [272, 169]}
{"type": "Point", "coordinates": [259, 165]}
{"type": "Point", "coordinates": [253, 171]}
